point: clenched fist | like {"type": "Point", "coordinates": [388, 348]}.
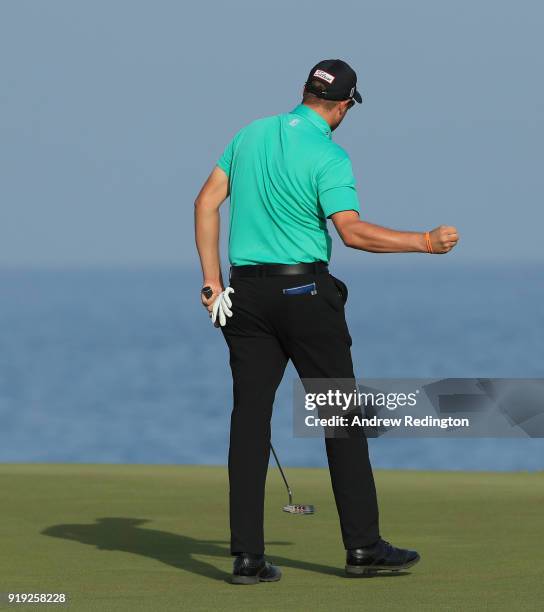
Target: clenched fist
{"type": "Point", "coordinates": [443, 238]}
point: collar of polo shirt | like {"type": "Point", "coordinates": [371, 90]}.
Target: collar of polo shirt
{"type": "Point", "coordinates": [305, 111]}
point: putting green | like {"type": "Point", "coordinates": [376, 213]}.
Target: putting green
{"type": "Point", "coordinates": [139, 537]}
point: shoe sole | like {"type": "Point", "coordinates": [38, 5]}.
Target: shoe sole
{"type": "Point", "coordinates": [254, 579]}
{"type": "Point", "coordinates": [363, 570]}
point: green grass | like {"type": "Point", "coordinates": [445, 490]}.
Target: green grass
{"type": "Point", "coordinates": [138, 537]}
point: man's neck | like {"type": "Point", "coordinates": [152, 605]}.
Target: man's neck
{"type": "Point", "coordinates": [322, 113]}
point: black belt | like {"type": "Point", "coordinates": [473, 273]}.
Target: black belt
{"type": "Point", "coordinates": [316, 267]}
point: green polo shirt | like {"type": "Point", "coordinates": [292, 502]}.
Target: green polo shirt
{"type": "Point", "coordinates": [286, 176]}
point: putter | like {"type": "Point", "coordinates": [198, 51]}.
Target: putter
{"type": "Point", "coordinates": [207, 292]}
{"type": "Point", "coordinates": [292, 508]}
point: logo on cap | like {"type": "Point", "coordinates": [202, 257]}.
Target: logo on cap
{"type": "Point", "coordinates": [321, 74]}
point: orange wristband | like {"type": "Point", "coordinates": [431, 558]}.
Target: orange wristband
{"type": "Point", "coordinates": [428, 242]}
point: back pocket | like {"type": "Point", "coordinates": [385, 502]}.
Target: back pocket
{"type": "Point", "coordinates": [342, 288]}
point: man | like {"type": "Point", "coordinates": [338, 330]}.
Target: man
{"type": "Point", "coordinates": [285, 177]}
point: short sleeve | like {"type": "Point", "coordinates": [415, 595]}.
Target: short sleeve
{"type": "Point", "coordinates": [336, 186]}
{"type": "Point", "coordinates": [225, 161]}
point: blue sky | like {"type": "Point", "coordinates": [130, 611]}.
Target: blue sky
{"type": "Point", "coordinates": [113, 113]}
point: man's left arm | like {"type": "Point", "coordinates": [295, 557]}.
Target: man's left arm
{"type": "Point", "coordinates": [207, 222]}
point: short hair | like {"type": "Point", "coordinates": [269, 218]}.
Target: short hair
{"type": "Point", "coordinates": [312, 100]}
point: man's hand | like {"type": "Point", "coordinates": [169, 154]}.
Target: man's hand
{"type": "Point", "coordinates": [443, 239]}
{"type": "Point", "coordinates": [216, 289]}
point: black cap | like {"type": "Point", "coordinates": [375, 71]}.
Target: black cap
{"type": "Point", "coordinates": [339, 78]}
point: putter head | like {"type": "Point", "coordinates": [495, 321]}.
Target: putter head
{"type": "Point", "coordinates": [299, 509]}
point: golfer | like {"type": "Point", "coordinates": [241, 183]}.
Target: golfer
{"type": "Point", "coordinates": [285, 177]}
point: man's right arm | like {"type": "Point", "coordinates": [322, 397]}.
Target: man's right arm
{"type": "Point", "coordinates": [207, 204]}
{"type": "Point", "coordinates": [366, 236]}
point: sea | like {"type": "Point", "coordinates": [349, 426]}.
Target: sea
{"type": "Point", "coordinates": [122, 364]}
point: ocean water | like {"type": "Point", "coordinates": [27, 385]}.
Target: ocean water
{"type": "Point", "coordinates": [123, 365]}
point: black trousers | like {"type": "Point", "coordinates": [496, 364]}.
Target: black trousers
{"type": "Point", "coordinates": [267, 329]}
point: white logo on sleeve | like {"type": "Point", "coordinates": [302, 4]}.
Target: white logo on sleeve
{"type": "Point", "coordinates": [294, 122]}
{"type": "Point", "coordinates": [325, 76]}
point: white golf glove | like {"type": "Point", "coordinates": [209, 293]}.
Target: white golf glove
{"type": "Point", "coordinates": [221, 308]}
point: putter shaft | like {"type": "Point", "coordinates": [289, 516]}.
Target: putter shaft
{"type": "Point", "coordinates": [289, 492]}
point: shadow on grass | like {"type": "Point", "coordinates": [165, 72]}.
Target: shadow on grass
{"type": "Point", "coordinates": [176, 550]}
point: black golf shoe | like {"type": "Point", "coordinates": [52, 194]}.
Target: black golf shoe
{"type": "Point", "coordinates": [251, 569]}
{"type": "Point", "coordinates": [382, 556]}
